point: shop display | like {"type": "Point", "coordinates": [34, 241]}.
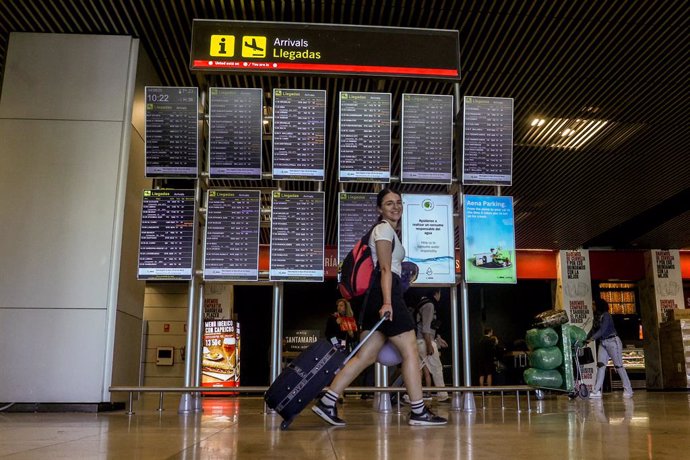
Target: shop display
{"type": "Point", "coordinates": [620, 296]}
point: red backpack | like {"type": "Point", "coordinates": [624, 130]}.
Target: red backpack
{"type": "Point", "coordinates": [357, 269]}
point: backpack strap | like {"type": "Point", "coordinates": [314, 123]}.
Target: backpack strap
{"type": "Point", "coordinates": [367, 236]}
{"type": "Point", "coordinates": [417, 317]}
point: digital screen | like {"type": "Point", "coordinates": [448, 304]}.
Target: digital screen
{"type": "Point", "coordinates": [299, 133]}
{"type": "Point", "coordinates": [357, 213]}
{"type": "Point", "coordinates": [232, 235]}
{"type": "Point", "coordinates": [235, 129]}
{"type": "Point", "coordinates": [427, 139]}
{"type": "Point", "coordinates": [297, 236]}
{"type": "Point", "coordinates": [364, 130]}
{"type": "Point", "coordinates": [282, 47]}
{"type": "Point", "coordinates": [166, 239]}
{"type": "Point", "coordinates": [487, 141]}
{"type": "Point", "coordinates": [171, 131]}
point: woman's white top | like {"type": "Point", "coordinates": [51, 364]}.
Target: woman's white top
{"type": "Point", "coordinates": [386, 232]}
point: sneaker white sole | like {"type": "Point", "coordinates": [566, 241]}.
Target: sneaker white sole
{"type": "Point", "coordinates": [325, 416]}
{"type": "Point", "coordinates": [423, 423]}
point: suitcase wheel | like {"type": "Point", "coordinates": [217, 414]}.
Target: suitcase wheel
{"type": "Point", "coordinates": [285, 424]}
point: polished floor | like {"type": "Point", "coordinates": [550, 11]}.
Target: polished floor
{"type": "Point", "coordinates": [652, 425]}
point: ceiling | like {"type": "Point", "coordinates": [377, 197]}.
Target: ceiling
{"type": "Point", "coordinates": [621, 65]}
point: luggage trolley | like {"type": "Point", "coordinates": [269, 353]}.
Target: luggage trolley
{"type": "Point", "coordinates": [582, 355]}
{"type": "Point", "coordinates": [575, 355]}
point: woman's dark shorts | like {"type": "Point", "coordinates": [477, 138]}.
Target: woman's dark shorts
{"type": "Point", "coordinates": [402, 319]}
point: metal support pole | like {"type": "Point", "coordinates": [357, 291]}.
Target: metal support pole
{"type": "Point", "coordinates": [131, 409]}
{"type": "Point", "coordinates": [276, 331]}
{"type": "Point", "coordinates": [456, 402]}
{"type": "Point", "coordinates": [382, 401]}
{"type": "Point", "coordinates": [192, 351]}
{"type": "Point", "coordinates": [186, 405]}
{"type": "Point", "coordinates": [468, 399]}
{"type": "Point", "coordinates": [160, 402]}
{"type": "Point", "coordinates": [198, 339]}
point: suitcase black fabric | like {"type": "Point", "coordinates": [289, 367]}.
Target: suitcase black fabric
{"type": "Point", "coordinates": [306, 376]}
{"type": "Point", "coordinates": [303, 379]}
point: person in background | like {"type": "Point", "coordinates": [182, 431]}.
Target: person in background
{"type": "Point", "coordinates": [426, 333]}
{"type": "Point", "coordinates": [384, 298]}
{"type": "Point", "coordinates": [342, 324]}
{"type": "Point", "coordinates": [487, 354]}
{"type": "Point", "coordinates": [610, 346]}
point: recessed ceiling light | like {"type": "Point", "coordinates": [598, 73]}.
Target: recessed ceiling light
{"type": "Point", "coordinates": [564, 133]}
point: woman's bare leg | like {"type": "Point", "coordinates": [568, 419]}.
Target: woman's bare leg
{"type": "Point", "coordinates": [364, 358]}
{"type": "Point", "coordinates": [406, 344]}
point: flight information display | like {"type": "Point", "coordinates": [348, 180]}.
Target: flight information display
{"type": "Point", "coordinates": [356, 214]}
{"type": "Point", "coordinates": [166, 239]}
{"type": "Point", "coordinates": [427, 139]}
{"type": "Point", "coordinates": [297, 236]}
{"type": "Point", "coordinates": [231, 252]}
{"type": "Point", "coordinates": [235, 129]}
{"type": "Point", "coordinates": [364, 130]}
{"type": "Point", "coordinates": [171, 131]}
{"type": "Point", "coordinates": [299, 134]}
{"type": "Point", "coordinates": [487, 141]}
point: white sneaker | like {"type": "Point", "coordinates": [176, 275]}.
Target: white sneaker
{"type": "Point", "coordinates": [627, 395]}
{"type": "Point", "coordinates": [440, 397]}
{"type": "Point", "coordinates": [595, 395]}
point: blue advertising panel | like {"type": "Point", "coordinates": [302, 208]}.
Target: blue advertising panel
{"type": "Point", "coordinates": [489, 239]}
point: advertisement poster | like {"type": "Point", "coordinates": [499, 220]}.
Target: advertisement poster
{"type": "Point", "coordinates": [667, 281]}
{"type": "Point", "coordinates": [428, 237]}
{"type": "Point", "coordinates": [220, 365]}
{"type": "Point", "coordinates": [298, 340]}
{"type": "Point", "coordinates": [574, 295]}
{"type": "Point", "coordinates": [218, 301]}
{"type": "Point", "coordinates": [489, 239]}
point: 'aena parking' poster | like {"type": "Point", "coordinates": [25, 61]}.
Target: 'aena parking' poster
{"type": "Point", "coordinates": [489, 239]}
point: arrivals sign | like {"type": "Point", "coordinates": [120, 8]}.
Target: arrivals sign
{"type": "Point", "coordinates": [489, 239]}
{"type": "Point", "coordinates": [429, 238]}
{"type": "Point", "coordinates": [276, 47]}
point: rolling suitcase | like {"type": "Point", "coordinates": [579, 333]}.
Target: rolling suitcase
{"type": "Point", "coordinates": [306, 376]}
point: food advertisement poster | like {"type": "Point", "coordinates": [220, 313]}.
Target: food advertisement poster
{"type": "Point", "coordinates": [429, 238]}
{"type": "Point", "coordinates": [664, 268]}
{"type": "Point", "coordinates": [574, 295]}
{"type": "Point", "coordinates": [218, 301]}
{"type": "Point", "coordinates": [489, 239]}
{"type": "Point", "coordinates": [220, 365]}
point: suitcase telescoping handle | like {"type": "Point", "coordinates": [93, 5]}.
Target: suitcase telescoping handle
{"type": "Point", "coordinates": [373, 329]}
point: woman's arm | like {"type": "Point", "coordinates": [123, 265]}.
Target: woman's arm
{"type": "Point", "coordinates": [384, 251]}
{"type": "Point", "coordinates": [597, 331]}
